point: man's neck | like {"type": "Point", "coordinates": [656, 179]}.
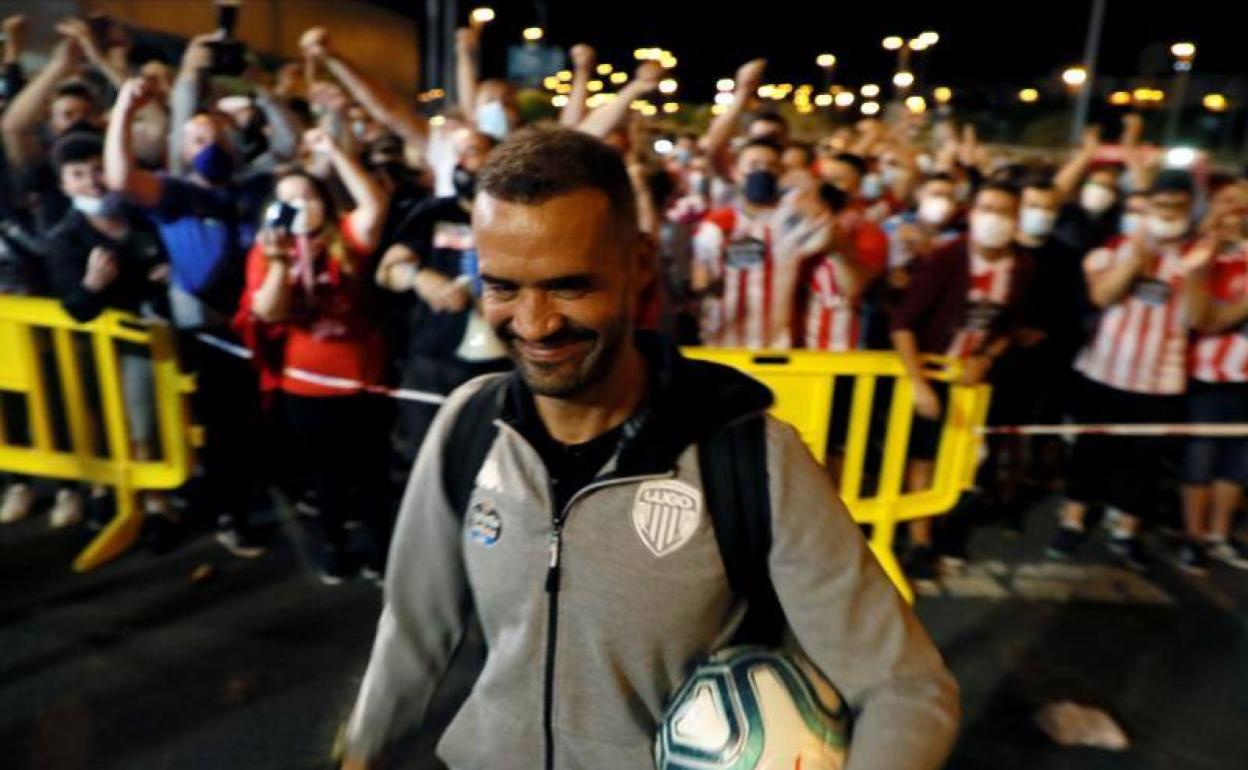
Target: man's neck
{"type": "Point", "coordinates": [991, 255]}
{"type": "Point", "coordinates": [1030, 241]}
{"type": "Point", "coordinates": [601, 408]}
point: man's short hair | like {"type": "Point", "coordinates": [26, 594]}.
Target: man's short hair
{"type": "Point", "coordinates": [772, 118]}
{"type": "Point", "coordinates": [538, 163]}
{"type": "Point", "coordinates": [1038, 182]}
{"type": "Point", "coordinates": [77, 90]}
{"type": "Point", "coordinates": [1173, 181]}
{"type": "Point", "coordinates": [851, 159]}
{"type": "Point", "coordinates": [76, 147]}
{"type": "Point", "coordinates": [1000, 186]}
{"type": "Point", "coordinates": [763, 141]}
{"type": "Point", "coordinates": [939, 176]}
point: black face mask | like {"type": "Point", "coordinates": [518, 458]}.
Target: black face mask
{"type": "Point", "coordinates": [83, 126]}
{"type": "Point", "coordinates": [761, 188]}
{"type": "Point", "coordinates": [465, 183]}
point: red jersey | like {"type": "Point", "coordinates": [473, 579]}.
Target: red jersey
{"type": "Point", "coordinates": [1224, 357]}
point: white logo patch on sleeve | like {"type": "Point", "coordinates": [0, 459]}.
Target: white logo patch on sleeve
{"type": "Point", "coordinates": [666, 514]}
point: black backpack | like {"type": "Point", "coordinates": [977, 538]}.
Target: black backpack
{"type": "Point", "coordinates": [734, 480]}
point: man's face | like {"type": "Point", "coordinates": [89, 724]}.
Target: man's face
{"type": "Point", "coordinates": [299, 192]}
{"type": "Point", "coordinates": [842, 175]}
{"type": "Point", "coordinates": [754, 159]}
{"type": "Point", "coordinates": [562, 280]}
{"type": "Point", "coordinates": [198, 132]}
{"type": "Point", "coordinates": [1040, 198]}
{"type": "Point", "coordinates": [68, 110]}
{"type": "Point", "coordinates": [85, 178]}
{"type": "Point", "coordinates": [997, 202]}
{"type": "Point", "coordinates": [794, 159]}
{"type": "Point", "coordinates": [767, 129]}
{"type": "Point", "coordinates": [472, 147]}
{"type": "Point", "coordinates": [937, 188]}
{"type": "Point", "coordinates": [1171, 206]}
{"type": "Point", "coordinates": [1136, 204]}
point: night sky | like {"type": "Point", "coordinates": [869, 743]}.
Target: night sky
{"type": "Point", "coordinates": [981, 42]}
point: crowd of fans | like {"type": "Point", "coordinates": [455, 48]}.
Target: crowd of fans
{"type": "Point", "coordinates": [319, 220]}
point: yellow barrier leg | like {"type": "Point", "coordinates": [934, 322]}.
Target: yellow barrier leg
{"type": "Point", "coordinates": [882, 547]}
{"type": "Point", "coordinates": [117, 537]}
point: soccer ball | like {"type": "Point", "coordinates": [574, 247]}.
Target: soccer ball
{"type": "Point", "coordinates": [750, 708]}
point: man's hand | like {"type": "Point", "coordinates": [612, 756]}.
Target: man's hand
{"type": "Point", "coordinates": [648, 76]}
{"type": "Point", "coordinates": [454, 298]}
{"type": "Point", "coordinates": [14, 28]}
{"type": "Point", "coordinates": [328, 97]}
{"type": "Point", "coordinates": [102, 270]}
{"type": "Point", "coordinates": [1132, 129]}
{"type": "Point", "coordinates": [276, 245]}
{"type": "Point", "coordinates": [915, 238]}
{"type": "Point", "coordinates": [159, 273]}
{"type": "Point", "coordinates": [975, 370]}
{"type": "Point", "coordinates": [315, 44]}
{"type": "Point", "coordinates": [1091, 140]}
{"type": "Point", "coordinates": [926, 403]}
{"type": "Point", "coordinates": [198, 55]}
{"type": "Point", "coordinates": [749, 75]}
{"type": "Point", "coordinates": [134, 93]}
{"type": "Point", "coordinates": [584, 57]}
{"type": "Point", "coordinates": [78, 31]}
{"type": "Point", "coordinates": [319, 141]}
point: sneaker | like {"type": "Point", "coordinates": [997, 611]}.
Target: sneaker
{"type": "Point", "coordinates": [921, 564]}
{"type": "Point", "coordinates": [1193, 559]}
{"type": "Point", "coordinates": [1065, 543]}
{"type": "Point", "coordinates": [1130, 551]}
{"type": "Point", "coordinates": [18, 500]}
{"type": "Point", "coordinates": [1230, 552]}
{"type": "Point", "coordinates": [67, 511]}
{"type": "Point", "coordinates": [335, 568]}
{"type": "Point", "coordinates": [240, 544]}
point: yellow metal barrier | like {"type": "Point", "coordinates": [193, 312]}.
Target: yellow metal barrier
{"type": "Point", "coordinates": [31, 331]}
{"type": "Point", "coordinates": [804, 384]}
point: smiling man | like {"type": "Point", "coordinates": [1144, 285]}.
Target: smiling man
{"type": "Point", "coordinates": [583, 537]}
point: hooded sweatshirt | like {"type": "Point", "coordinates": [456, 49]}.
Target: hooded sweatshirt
{"type": "Point", "coordinates": [579, 677]}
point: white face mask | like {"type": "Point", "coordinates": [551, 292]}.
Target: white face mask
{"type": "Point", "coordinates": [107, 205]}
{"type": "Point", "coordinates": [992, 231]}
{"type": "Point", "coordinates": [1165, 229]}
{"type": "Point", "coordinates": [1096, 198]}
{"type": "Point", "coordinates": [1130, 223]}
{"type": "Point", "coordinates": [492, 120]}
{"type": "Point", "coordinates": [872, 187]}
{"type": "Point", "coordinates": [1036, 222]}
{"type": "Point", "coordinates": [935, 210]}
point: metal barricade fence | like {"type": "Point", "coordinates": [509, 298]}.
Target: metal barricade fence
{"type": "Point", "coordinates": [64, 384]}
{"type": "Point", "coordinates": [876, 438]}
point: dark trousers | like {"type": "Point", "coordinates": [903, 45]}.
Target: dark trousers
{"type": "Point", "coordinates": [1121, 471]}
{"type": "Point", "coordinates": [226, 403]}
{"type": "Point", "coordinates": [341, 443]}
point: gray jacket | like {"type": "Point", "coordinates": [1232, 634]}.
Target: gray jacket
{"type": "Point", "coordinates": [636, 607]}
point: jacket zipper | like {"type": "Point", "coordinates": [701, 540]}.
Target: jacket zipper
{"type": "Point", "coordinates": [553, 574]}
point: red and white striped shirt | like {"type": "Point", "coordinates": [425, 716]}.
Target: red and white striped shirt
{"type": "Point", "coordinates": [988, 291]}
{"type": "Point", "coordinates": [832, 321]}
{"type": "Point", "coordinates": [758, 259]}
{"type": "Point", "coordinates": [1224, 357]}
{"type": "Point", "coordinates": [1140, 343]}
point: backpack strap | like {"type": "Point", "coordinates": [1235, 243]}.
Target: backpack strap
{"type": "Point", "coordinates": [737, 489]}
{"type": "Point", "coordinates": [470, 439]}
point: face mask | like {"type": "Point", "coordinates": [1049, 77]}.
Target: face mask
{"type": "Point", "coordinates": [358, 129]}
{"type": "Point", "coordinates": [761, 188]}
{"type": "Point", "coordinates": [214, 163]}
{"type": "Point", "coordinates": [1037, 222]}
{"type": "Point", "coordinates": [990, 230]}
{"type": "Point", "coordinates": [1165, 229]}
{"type": "Point", "coordinates": [1129, 224]}
{"type": "Point", "coordinates": [108, 205]}
{"type": "Point", "coordinates": [891, 175]}
{"type": "Point", "coordinates": [492, 120]}
{"type": "Point", "coordinates": [81, 126]}
{"type": "Point", "coordinates": [872, 187]}
{"type": "Point", "coordinates": [465, 183]}
{"type": "Point", "coordinates": [935, 210]}
{"type": "Point", "coordinates": [682, 155]}
{"type": "Point", "coordinates": [697, 183]}
{"type": "Point", "coordinates": [1096, 198]}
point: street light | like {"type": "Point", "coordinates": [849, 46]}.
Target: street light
{"type": "Point", "coordinates": [667, 86]}
{"type": "Point", "coordinates": [916, 104]}
{"type": "Point", "coordinates": [929, 38]}
{"type": "Point", "coordinates": [826, 60]}
{"type": "Point", "coordinates": [870, 108]}
{"type": "Point", "coordinates": [619, 78]}
{"type": "Point", "coordinates": [823, 100]}
{"type": "Point", "coordinates": [670, 108]}
{"type": "Point", "coordinates": [892, 43]}
{"type": "Point", "coordinates": [903, 79]}
{"type": "Point", "coordinates": [594, 86]}
{"type": "Point", "coordinates": [1183, 53]}
{"type": "Point", "coordinates": [844, 99]}
{"type": "Point", "coordinates": [1028, 95]}
{"type": "Point", "coordinates": [870, 90]}
{"type": "Point", "coordinates": [942, 94]}
{"type": "Point", "coordinates": [482, 15]}
{"type": "Point", "coordinates": [1120, 98]}
{"type": "Point", "coordinates": [564, 76]}
{"type": "Point", "coordinates": [917, 44]}
{"type": "Point", "coordinates": [725, 84]}
{"type": "Point", "coordinates": [604, 69]}
{"type": "Point", "coordinates": [724, 98]}
{"type": "Point", "coordinates": [1215, 102]}
{"type": "Point", "coordinates": [559, 100]}
{"type": "Point", "coordinates": [533, 34]}
{"type": "Point", "coordinates": [1075, 76]}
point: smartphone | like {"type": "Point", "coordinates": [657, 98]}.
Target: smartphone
{"type": "Point", "coordinates": [280, 216]}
